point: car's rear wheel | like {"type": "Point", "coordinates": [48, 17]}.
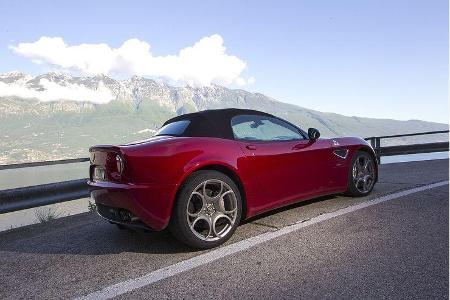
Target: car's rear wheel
{"type": "Point", "coordinates": [121, 227]}
{"type": "Point", "coordinates": [361, 174]}
{"type": "Point", "coordinates": [207, 210]}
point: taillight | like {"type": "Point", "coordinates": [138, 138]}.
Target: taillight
{"type": "Point", "coordinates": [119, 164]}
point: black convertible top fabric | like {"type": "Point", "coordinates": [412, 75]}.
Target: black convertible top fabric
{"type": "Point", "coordinates": [214, 122]}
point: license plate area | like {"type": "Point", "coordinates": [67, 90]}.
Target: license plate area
{"type": "Point", "coordinates": [99, 174]}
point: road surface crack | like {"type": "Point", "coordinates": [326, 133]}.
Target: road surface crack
{"type": "Point", "coordinates": [266, 225]}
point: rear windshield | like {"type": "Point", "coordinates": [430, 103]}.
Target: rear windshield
{"type": "Point", "coordinates": [175, 128]}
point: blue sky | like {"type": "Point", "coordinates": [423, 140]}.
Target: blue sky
{"type": "Point", "coordinates": [383, 59]}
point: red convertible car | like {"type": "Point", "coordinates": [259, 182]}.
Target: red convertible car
{"type": "Point", "coordinates": [204, 172]}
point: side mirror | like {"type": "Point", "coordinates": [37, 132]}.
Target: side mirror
{"type": "Point", "coordinates": [313, 134]}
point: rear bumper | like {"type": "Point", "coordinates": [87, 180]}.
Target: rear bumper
{"type": "Point", "coordinates": [151, 204]}
{"type": "Point", "coordinates": [120, 216]}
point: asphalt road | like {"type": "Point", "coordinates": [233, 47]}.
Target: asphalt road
{"type": "Point", "coordinates": [394, 249]}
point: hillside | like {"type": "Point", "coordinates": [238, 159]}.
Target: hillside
{"type": "Point", "coordinates": [33, 130]}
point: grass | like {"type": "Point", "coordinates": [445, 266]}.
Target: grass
{"type": "Point", "coordinates": [46, 214]}
{"type": "Point", "coordinates": [92, 207]}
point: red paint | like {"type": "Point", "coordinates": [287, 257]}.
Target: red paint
{"type": "Point", "coordinates": [272, 174]}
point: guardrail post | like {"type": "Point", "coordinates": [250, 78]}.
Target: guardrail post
{"type": "Point", "coordinates": [375, 142]}
{"type": "Point", "coordinates": [377, 148]}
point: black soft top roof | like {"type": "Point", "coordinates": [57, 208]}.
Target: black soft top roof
{"type": "Point", "coordinates": [213, 122]}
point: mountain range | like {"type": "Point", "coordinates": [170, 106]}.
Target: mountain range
{"type": "Point", "coordinates": [57, 115]}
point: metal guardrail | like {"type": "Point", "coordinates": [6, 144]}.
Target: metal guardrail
{"type": "Point", "coordinates": [39, 195]}
{"type": "Point", "coordinates": [43, 163]}
{"type": "Point", "coordinates": [44, 194]}
{"type": "Point", "coordinates": [375, 142]}
{"type": "Point", "coordinates": [414, 149]}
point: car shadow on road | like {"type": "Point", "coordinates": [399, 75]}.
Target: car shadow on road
{"type": "Point", "coordinates": [290, 207]}
{"type": "Point", "coordinates": [88, 234]}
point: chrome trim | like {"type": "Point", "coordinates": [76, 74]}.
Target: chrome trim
{"type": "Point", "coordinates": [339, 155]}
{"type": "Point", "coordinates": [120, 165]}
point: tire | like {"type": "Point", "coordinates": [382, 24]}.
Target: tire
{"type": "Point", "coordinates": [361, 180]}
{"type": "Point", "coordinates": [207, 210]}
{"type": "Point", "coordinates": [121, 227]}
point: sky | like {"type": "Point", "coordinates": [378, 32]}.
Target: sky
{"type": "Point", "coordinates": [381, 59]}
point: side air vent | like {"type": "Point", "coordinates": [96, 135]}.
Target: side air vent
{"type": "Point", "coordinates": [342, 153]}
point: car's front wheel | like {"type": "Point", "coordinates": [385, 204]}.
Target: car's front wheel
{"type": "Point", "coordinates": [207, 210]}
{"type": "Point", "coordinates": [362, 174]}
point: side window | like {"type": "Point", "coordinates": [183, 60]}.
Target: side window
{"type": "Point", "coordinates": [262, 128]}
{"type": "Point", "coordinates": [175, 128]}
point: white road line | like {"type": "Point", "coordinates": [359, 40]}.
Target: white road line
{"type": "Point", "coordinates": [189, 264]}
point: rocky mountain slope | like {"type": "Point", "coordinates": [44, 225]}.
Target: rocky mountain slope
{"type": "Point", "coordinates": [56, 115]}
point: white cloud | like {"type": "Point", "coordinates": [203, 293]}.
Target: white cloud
{"type": "Point", "coordinates": [251, 80]}
{"type": "Point", "coordinates": [203, 63]}
{"type": "Point", "coordinates": [52, 91]}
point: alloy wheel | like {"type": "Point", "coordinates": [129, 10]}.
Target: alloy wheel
{"type": "Point", "coordinates": [211, 210]}
{"type": "Point", "coordinates": [363, 173]}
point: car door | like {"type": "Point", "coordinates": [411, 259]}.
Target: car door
{"type": "Point", "coordinates": [288, 165]}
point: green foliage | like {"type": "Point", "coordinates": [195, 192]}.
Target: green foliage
{"type": "Point", "coordinates": [69, 134]}
{"type": "Point", "coordinates": [91, 206]}
{"type": "Point", "coordinates": [46, 214]}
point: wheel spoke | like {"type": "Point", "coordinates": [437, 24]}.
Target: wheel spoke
{"type": "Point", "coordinates": [205, 196]}
{"type": "Point", "coordinates": [218, 216]}
{"type": "Point", "coordinates": [198, 211]}
{"type": "Point", "coordinates": [356, 178]}
{"type": "Point", "coordinates": [198, 194]}
{"type": "Point", "coordinates": [358, 182]}
{"type": "Point", "coordinates": [221, 190]}
{"type": "Point", "coordinates": [354, 172]}
{"type": "Point", "coordinates": [366, 164]}
{"type": "Point", "coordinates": [212, 210]}
{"type": "Point", "coordinates": [367, 182]}
{"type": "Point", "coordinates": [221, 205]}
{"type": "Point", "coordinates": [193, 215]}
{"type": "Point", "coordinates": [207, 221]}
{"type": "Point", "coordinates": [365, 187]}
{"type": "Point", "coordinates": [361, 163]}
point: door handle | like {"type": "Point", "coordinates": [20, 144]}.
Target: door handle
{"type": "Point", "coordinates": [299, 147]}
{"type": "Point", "coordinates": [251, 147]}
